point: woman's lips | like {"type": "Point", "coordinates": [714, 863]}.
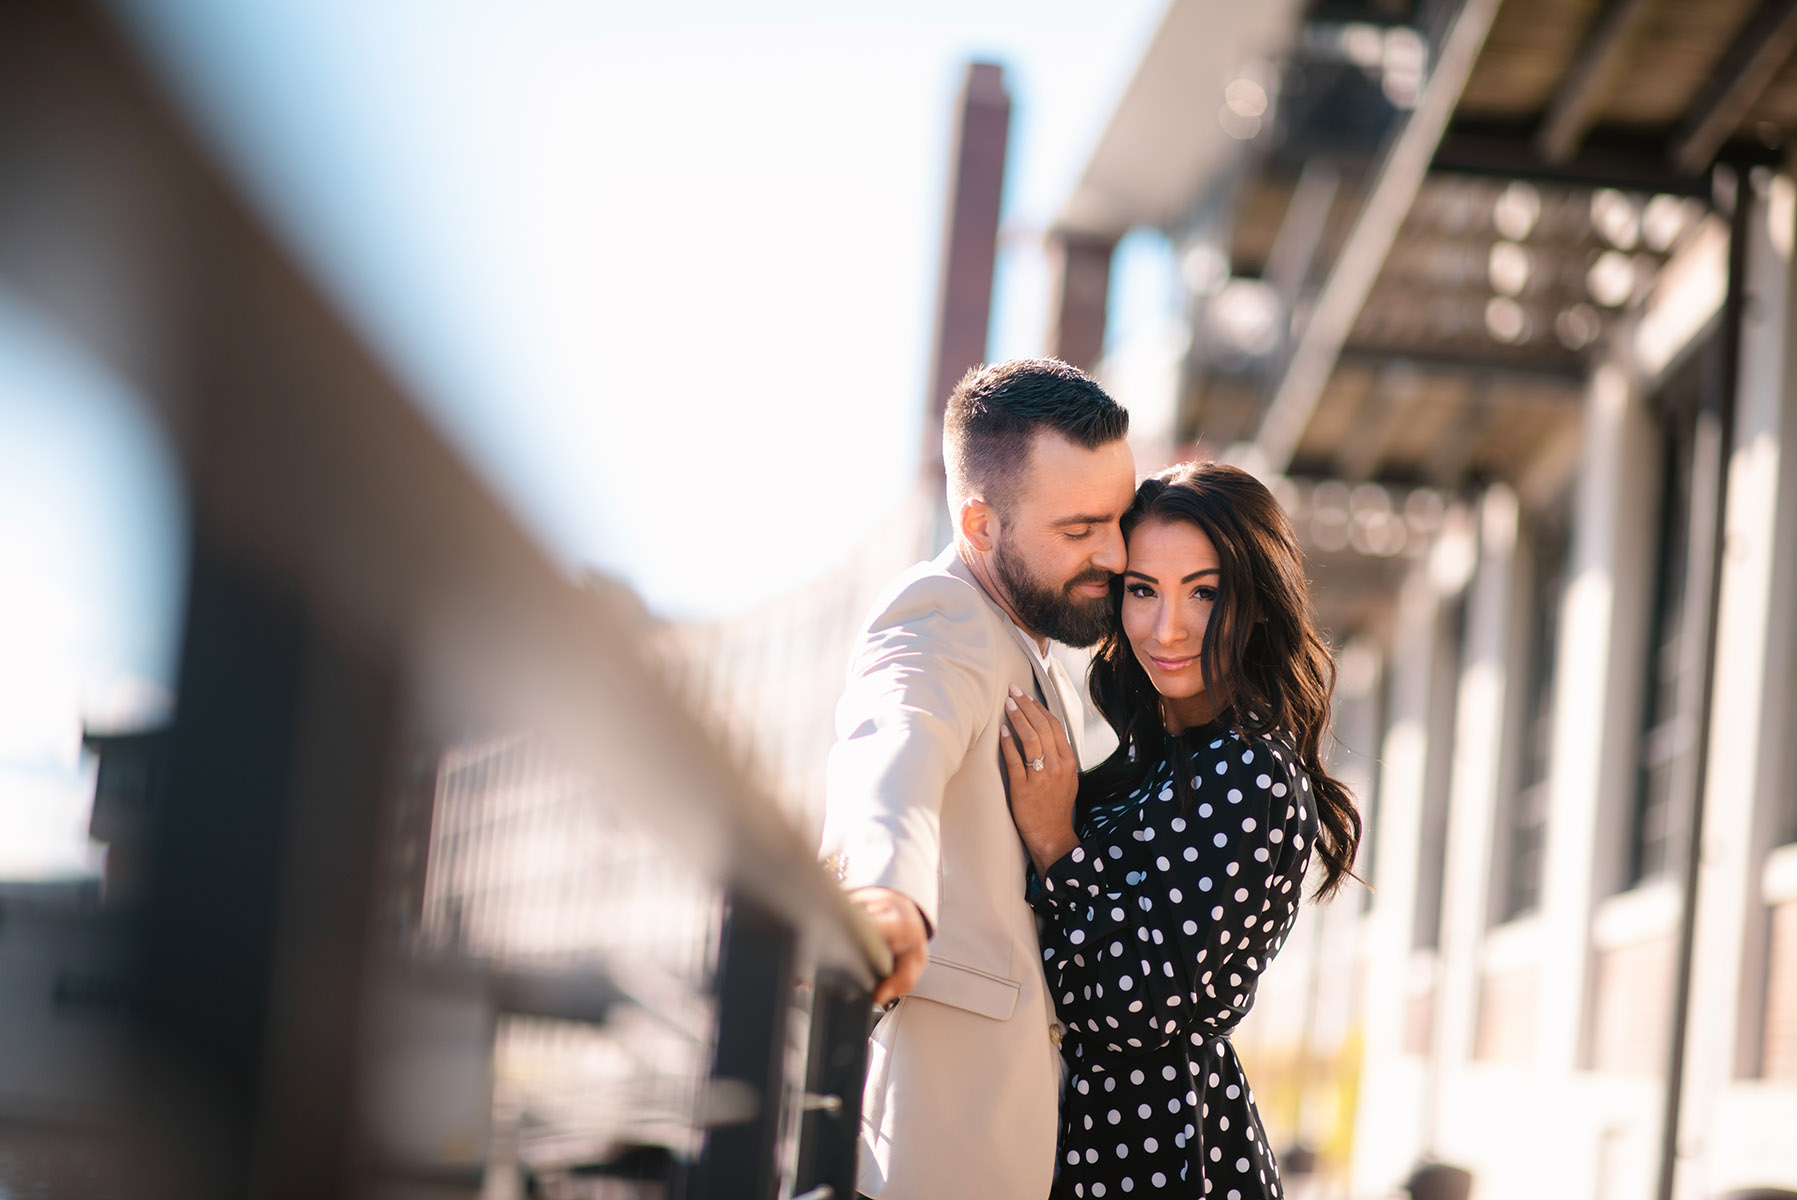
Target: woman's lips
{"type": "Point", "coordinates": [1171, 664]}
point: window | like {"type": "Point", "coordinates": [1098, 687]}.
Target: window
{"type": "Point", "coordinates": [1526, 822]}
{"type": "Point", "coordinates": [1666, 726]}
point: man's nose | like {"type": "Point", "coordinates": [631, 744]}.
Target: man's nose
{"type": "Point", "coordinates": [1112, 554]}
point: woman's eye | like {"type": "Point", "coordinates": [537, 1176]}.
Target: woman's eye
{"type": "Point", "coordinates": [1206, 594]}
{"type": "Point", "coordinates": [1140, 591]}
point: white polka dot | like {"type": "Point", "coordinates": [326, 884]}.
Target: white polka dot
{"type": "Point", "coordinates": [1122, 1150]}
{"type": "Point", "coordinates": [1190, 928]}
{"type": "Point", "coordinates": [1162, 862]}
{"type": "Point", "coordinates": [1248, 825]}
{"type": "Point", "coordinates": [1222, 839]}
{"type": "Point", "coordinates": [1235, 795]}
{"type": "Point", "coordinates": [1145, 1111]}
{"type": "Point", "coordinates": [1241, 1164]}
{"type": "Point", "coordinates": [1260, 854]}
{"type": "Point", "coordinates": [1204, 810]}
{"type": "Point", "coordinates": [1114, 1117]}
{"type": "Point", "coordinates": [1263, 781]}
{"type": "Point", "coordinates": [1077, 936]}
{"type": "Point", "coordinates": [1079, 854]}
{"type": "Point", "coordinates": [1084, 1087]}
{"type": "Point", "coordinates": [1204, 884]}
{"type": "Point", "coordinates": [1115, 851]}
{"type": "Point", "coordinates": [1158, 1180]}
{"type": "Point", "coordinates": [1179, 824]}
{"type": "Point", "coordinates": [1127, 1184]}
{"type": "Point", "coordinates": [1175, 895]}
{"type": "Point", "coordinates": [1191, 854]}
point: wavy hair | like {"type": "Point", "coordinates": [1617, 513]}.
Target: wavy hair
{"type": "Point", "coordinates": [1262, 655]}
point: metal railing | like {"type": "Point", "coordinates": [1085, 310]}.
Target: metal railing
{"type": "Point", "coordinates": [360, 611]}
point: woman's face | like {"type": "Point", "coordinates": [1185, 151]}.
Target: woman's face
{"type": "Point", "coordinates": [1169, 589]}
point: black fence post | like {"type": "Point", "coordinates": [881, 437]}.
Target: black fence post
{"type": "Point", "coordinates": [754, 993]}
{"type": "Point", "coordinates": [835, 1068]}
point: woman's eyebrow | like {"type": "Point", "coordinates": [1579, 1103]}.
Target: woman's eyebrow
{"type": "Point", "coordinates": [1147, 578]}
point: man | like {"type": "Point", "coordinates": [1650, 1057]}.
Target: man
{"type": "Point", "coordinates": [963, 1071]}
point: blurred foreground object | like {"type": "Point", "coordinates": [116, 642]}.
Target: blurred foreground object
{"type": "Point", "coordinates": [429, 886]}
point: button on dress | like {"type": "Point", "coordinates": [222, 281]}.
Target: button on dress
{"type": "Point", "coordinates": [1157, 928]}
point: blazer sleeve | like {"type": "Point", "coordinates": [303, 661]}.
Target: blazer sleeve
{"type": "Point", "coordinates": [917, 699]}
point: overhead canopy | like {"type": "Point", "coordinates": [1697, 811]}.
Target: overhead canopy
{"type": "Point", "coordinates": [1165, 140]}
{"type": "Point", "coordinates": [1570, 161]}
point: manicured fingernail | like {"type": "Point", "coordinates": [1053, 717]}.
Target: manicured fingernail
{"type": "Point", "coordinates": [1015, 690]}
{"type": "Point", "coordinates": [1011, 704]}
{"type": "Point", "coordinates": [1004, 731]}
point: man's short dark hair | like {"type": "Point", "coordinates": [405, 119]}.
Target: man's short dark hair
{"type": "Point", "coordinates": [996, 409]}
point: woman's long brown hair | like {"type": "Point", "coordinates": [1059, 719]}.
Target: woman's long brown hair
{"type": "Point", "coordinates": [1262, 654]}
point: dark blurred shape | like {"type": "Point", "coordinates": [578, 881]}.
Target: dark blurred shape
{"type": "Point", "coordinates": [969, 244]}
{"type": "Point", "coordinates": [131, 780]}
{"type": "Point", "coordinates": [1297, 1160]}
{"type": "Point", "coordinates": [347, 877]}
{"type": "Point", "coordinates": [1439, 1181]}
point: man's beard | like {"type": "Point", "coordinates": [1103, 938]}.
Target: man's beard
{"type": "Point", "coordinates": [1058, 614]}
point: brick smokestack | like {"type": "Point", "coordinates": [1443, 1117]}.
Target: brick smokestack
{"type": "Point", "coordinates": [969, 247]}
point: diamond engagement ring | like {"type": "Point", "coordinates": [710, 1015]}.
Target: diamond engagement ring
{"type": "Point", "coordinates": [1035, 764]}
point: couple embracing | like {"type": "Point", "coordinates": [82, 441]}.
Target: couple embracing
{"type": "Point", "coordinates": [1071, 950]}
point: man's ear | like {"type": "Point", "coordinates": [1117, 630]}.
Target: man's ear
{"type": "Point", "coordinates": [979, 524]}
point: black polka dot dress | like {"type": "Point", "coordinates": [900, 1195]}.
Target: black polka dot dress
{"type": "Point", "coordinates": [1157, 927]}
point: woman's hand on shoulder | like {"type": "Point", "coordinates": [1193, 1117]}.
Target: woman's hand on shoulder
{"type": "Point", "coordinates": [1043, 773]}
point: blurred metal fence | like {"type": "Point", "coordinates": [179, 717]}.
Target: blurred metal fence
{"type": "Point", "coordinates": [432, 888]}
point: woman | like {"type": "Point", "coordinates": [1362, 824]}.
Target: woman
{"type": "Point", "coordinates": [1173, 880]}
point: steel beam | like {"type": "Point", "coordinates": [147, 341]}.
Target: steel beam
{"type": "Point", "coordinates": [1605, 158]}
{"type": "Point", "coordinates": [1740, 78]}
{"type": "Point", "coordinates": [1584, 87]}
{"type": "Point", "coordinates": [1400, 175]}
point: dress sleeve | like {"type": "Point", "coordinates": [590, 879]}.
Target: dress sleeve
{"type": "Point", "coordinates": [915, 703]}
{"type": "Point", "coordinates": [1165, 923]}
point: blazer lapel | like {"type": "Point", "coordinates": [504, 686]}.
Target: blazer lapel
{"type": "Point", "coordinates": [1052, 683]}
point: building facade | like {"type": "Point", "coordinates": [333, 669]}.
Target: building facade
{"type": "Point", "coordinates": [1499, 298]}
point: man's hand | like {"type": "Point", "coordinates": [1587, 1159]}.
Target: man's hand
{"type": "Point", "coordinates": [896, 918]}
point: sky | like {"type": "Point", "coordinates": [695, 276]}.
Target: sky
{"type": "Point", "coordinates": [650, 264]}
{"type": "Point", "coordinates": [664, 273]}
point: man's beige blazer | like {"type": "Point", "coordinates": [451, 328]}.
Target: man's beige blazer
{"type": "Point", "coordinates": [964, 1074]}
